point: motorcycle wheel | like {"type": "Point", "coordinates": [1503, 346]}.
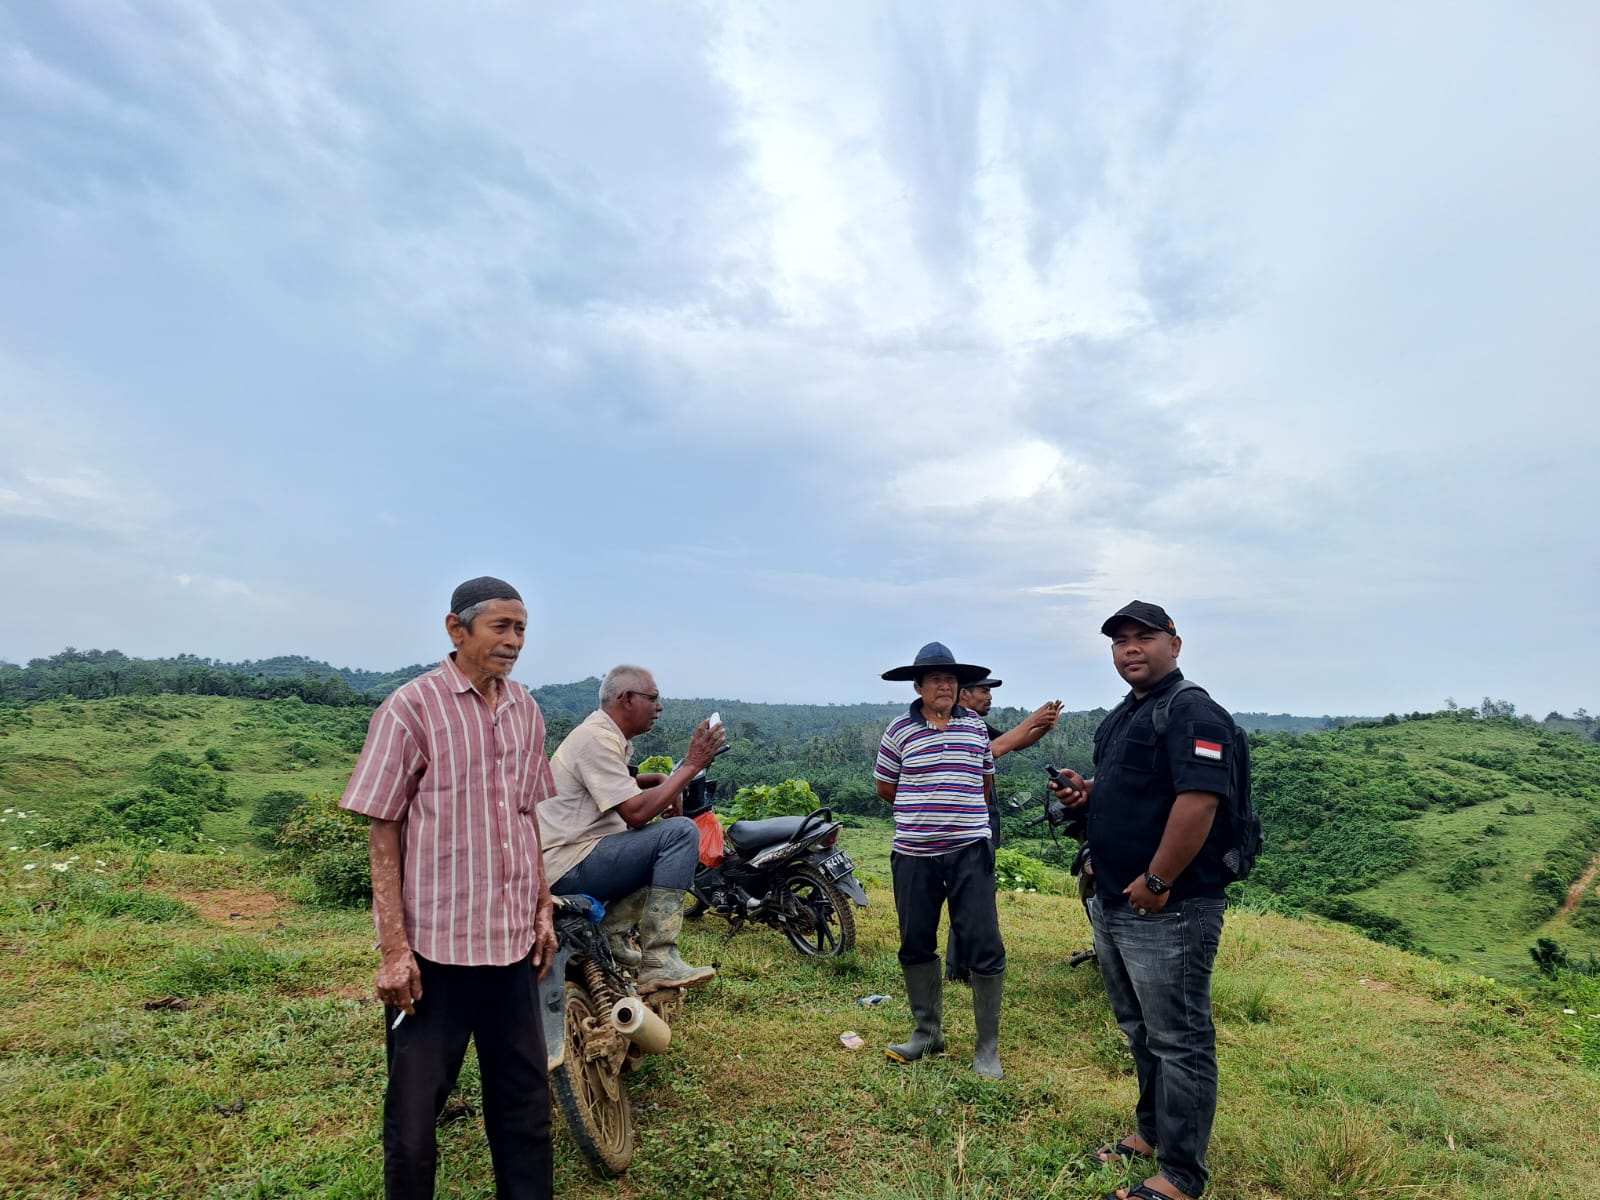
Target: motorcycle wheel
{"type": "Point", "coordinates": [593, 1097]}
{"type": "Point", "coordinates": [833, 930]}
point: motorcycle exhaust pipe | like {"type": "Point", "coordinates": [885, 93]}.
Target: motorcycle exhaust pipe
{"type": "Point", "coordinates": [633, 1019]}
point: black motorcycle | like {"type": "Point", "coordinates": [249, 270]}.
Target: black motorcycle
{"type": "Point", "coordinates": [784, 872]}
{"type": "Point", "coordinates": [597, 1028]}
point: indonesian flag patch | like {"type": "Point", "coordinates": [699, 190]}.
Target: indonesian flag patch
{"type": "Point", "coordinates": [1205, 749]}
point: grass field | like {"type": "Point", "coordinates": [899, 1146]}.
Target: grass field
{"type": "Point", "coordinates": [1349, 1069]}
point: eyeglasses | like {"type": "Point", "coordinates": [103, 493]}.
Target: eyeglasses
{"type": "Point", "coordinates": [648, 697]}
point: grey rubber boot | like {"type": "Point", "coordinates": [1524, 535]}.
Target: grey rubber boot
{"type": "Point", "coordinates": [622, 915]}
{"type": "Point", "coordinates": [660, 965]}
{"type": "Point", "coordinates": [925, 991]}
{"type": "Point", "coordinates": [986, 991]}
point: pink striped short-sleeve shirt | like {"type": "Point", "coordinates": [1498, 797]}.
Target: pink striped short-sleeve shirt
{"type": "Point", "coordinates": [465, 782]}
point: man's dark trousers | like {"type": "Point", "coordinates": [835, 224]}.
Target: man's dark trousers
{"type": "Point", "coordinates": [1157, 972]}
{"type": "Point", "coordinates": [497, 1007]}
{"type": "Point", "coordinates": [963, 878]}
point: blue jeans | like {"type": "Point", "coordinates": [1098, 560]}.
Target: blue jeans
{"type": "Point", "coordinates": [662, 854]}
{"type": "Point", "coordinates": [1157, 972]}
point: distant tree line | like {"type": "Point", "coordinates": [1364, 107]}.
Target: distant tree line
{"type": "Point", "coordinates": [105, 674]}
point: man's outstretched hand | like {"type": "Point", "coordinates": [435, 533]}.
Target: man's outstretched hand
{"type": "Point", "coordinates": [703, 746]}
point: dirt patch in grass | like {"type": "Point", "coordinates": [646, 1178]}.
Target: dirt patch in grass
{"type": "Point", "coordinates": [235, 906]}
{"type": "Point", "coordinates": [1585, 882]}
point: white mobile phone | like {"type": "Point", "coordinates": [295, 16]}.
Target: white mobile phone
{"type": "Point", "coordinates": [716, 719]}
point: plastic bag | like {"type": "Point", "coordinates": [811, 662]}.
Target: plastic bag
{"type": "Point", "coordinates": [711, 849]}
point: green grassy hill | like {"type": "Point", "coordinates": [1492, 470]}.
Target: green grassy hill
{"type": "Point", "coordinates": [60, 762]}
{"type": "Point", "coordinates": [175, 1026]}
{"type": "Point", "coordinates": [1454, 836]}
{"type": "Point", "coordinates": [179, 1025]}
{"type": "Point", "coordinates": [1457, 837]}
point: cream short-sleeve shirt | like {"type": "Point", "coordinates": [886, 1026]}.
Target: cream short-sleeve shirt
{"type": "Point", "coordinates": [591, 777]}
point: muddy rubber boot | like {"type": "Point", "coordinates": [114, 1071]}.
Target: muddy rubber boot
{"type": "Point", "coordinates": [661, 966]}
{"type": "Point", "coordinates": [925, 991]}
{"type": "Point", "coordinates": [986, 991]}
{"type": "Point", "coordinates": [622, 915]}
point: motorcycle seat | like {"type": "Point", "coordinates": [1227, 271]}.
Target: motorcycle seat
{"type": "Point", "coordinates": [750, 836]}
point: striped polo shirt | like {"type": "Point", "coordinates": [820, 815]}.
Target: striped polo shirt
{"type": "Point", "coordinates": [465, 782]}
{"type": "Point", "coordinates": [938, 775]}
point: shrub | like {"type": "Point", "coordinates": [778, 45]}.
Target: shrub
{"type": "Point", "coordinates": [657, 764]}
{"type": "Point", "coordinates": [328, 847]}
{"type": "Point", "coordinates": [1015, 871]}
{"type": "Point", "coordinates": [272, 812]}
{"type": "Point", "coordinates": [1587, 915]}
{"type": "Point", "coordinates": [1465, 872]}
{"type": "Point", "coordinates": [176, 775]}
{"type": "Point", "coordinates": [151, 812]}
{"type": "Point", "coordinates": [791, 798]}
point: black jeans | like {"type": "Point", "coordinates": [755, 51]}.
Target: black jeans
{"type": "Point", "coordinates": [1157, 972]}
{"type": "Point", "coordinates": [498, 1008]}
{"type": "Point", "coordinates": [963, 879]}
{"type": "Point", "coordinates": [955, 955]}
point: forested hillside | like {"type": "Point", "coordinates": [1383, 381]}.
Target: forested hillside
{"type": "Point", "coordinates": [1451, 833]}
{"type": "Point", "coordinates": [106, 674]}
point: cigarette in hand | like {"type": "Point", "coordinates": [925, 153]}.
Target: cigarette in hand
{"type": "Point", "coordinates": [397, 1021]}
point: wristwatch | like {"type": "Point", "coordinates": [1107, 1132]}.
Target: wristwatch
{"type": "Point", "coordinates": [1156, 884]}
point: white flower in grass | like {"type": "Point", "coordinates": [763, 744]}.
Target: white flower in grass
{"type": "Point", "coordinates": [29, 866]}
{"type": "Point", "coordinates": [60, 866]}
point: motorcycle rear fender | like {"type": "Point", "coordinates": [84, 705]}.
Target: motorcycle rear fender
{"type": "Point", "coordinates": [848, 884]}
{"type": "Point", "coordinates": [852, 888]}
{"type": "Point", "coordinates": [553, 1008]}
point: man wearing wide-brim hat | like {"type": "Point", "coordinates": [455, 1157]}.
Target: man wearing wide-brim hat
{"type": "Point", "coordinates": [935, 766]}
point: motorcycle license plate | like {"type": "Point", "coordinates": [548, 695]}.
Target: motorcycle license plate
{"type": "Point", "coordinates": [838, 865]}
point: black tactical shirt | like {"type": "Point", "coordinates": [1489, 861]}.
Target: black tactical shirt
{"type": "Point", "coordinates": [1137, 777]}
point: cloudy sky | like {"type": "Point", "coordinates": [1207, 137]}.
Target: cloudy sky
{"type": "Point", "coordinates": [762, 344]}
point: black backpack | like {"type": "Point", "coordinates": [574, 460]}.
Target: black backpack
{"type": "Point", "coordinates": [1244, 826]}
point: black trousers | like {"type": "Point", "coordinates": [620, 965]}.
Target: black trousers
{"type": "Point", "coordinates": [963, 879]}
{"type": "Point", "coordinates": [498, 1008]}
{"type": "Point", "coordinates": [955, 955]}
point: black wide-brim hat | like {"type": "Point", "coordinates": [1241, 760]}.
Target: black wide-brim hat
{"type": "Point", "coordinates": [936, 656]}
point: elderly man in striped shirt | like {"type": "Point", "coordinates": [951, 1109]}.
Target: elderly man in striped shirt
{"type": "Point", "coordinates": [936, 767]}
{"type": "Point", "coordinates": [451, 774]}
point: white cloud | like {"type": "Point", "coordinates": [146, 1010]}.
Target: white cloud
{"type": "Point", "coordinates": [1254, 311]}
{"type": "Point", "coordinates": [982, 477]}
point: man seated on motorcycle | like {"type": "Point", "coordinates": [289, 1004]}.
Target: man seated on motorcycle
{"type": "Point", "coordinates": [600, 836]}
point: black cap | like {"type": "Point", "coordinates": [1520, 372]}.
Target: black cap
{"type": "Point", "coordinates": [988, 683]}
{"type": "Point", "coordinates": [1143, 612]}
{"type": "Point", "coordinates": [936, 656]}
{"type": "Point", "coordinates": [479, 590]}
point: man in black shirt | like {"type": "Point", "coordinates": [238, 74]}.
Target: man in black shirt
{"type": "Point", "coordinates": [1157, 847]}
{"type": "Point", "coordinates": [979, 698]}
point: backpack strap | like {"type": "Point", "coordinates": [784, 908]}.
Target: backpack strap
{"type": "Point", "coordinates": [1163, 709]}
